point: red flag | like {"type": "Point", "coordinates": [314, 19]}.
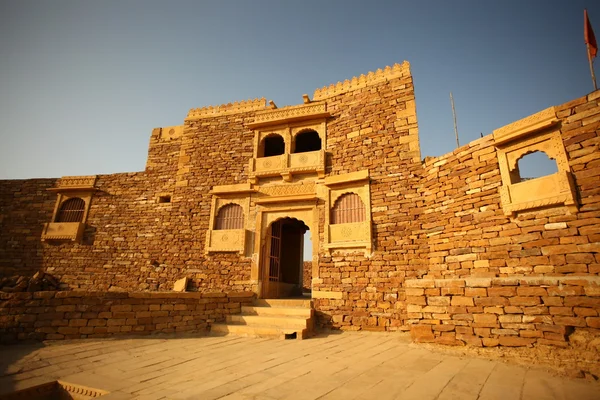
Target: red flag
{"type": "Point", "coordinates": [588, 34]}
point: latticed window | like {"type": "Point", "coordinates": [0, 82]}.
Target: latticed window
{"type": "Point", "coordinates": [230, 216]}
{"type": "Point", "coordinates": [348, 208]}
{"type": "Point", "coordinates": [71, 210]}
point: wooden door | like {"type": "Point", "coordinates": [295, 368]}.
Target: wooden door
{"type": "Point", "coordinates": [272, 261]}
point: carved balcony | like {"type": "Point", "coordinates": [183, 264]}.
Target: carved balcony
{"type": "Point", "coordinates": [287, 165]}
{"type": "Point", "coordinates": [72, 231]}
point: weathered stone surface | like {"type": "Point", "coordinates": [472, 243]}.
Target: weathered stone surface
{"type": "Point", "coordinates": [180, 285]}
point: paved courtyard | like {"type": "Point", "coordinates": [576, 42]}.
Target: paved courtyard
{"type": "Point", "coordinates": [334, 366]}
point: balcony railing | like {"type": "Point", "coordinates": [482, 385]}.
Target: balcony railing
{"type": "Point", "coordinates": [287, 165]}
{"type": "Point", "coordinates": [63, 231]}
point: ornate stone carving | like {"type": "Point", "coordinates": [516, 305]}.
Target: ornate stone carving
{"type": "Point", "coordinates": [288, 164]}
{"type": "Point", "coordinates": [227, 240]}
{"type": "Point", "coordinates": [70, 187]}
{"type": "Point", "coordinates": [290, 114]}
{"type": "Point", "coordinates": [527, 125]}
{"type": "Point", "coordinates": [288, 190]}
{"type": "Point", "coordinates": [230, 108]}
{"type": "Point", "coordinates": [170, 133]}
{"type": "Point", "coordinates": [79, 182]}
{"type": "Point", "coordinates": [63, 231]}
{"type": "Point", "coordinates": [371, 78]}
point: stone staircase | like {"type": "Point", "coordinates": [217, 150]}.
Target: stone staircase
{"type": "Point", "coordinates": [275, 318]}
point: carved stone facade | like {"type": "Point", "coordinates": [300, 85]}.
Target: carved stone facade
{"type": "Point", "coordinates": [227, 196]}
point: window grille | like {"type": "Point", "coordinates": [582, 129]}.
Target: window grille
{"type": "Point", "coordinates": [71, 210]}
{"type": "Point", "coordinates": [347, 209]}
{"type": "Point", "coordinates": [230, 216]}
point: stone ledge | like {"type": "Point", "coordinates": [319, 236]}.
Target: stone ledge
{"type": "Point", "coordinates": [505, 281]}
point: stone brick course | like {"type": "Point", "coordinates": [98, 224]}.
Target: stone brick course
{"type": "Point", "coordinates": [504, 311]}
{"type": "Point", "coordinates": [74, 315]}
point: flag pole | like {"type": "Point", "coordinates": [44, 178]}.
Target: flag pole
{"type": "Point", "coordinates": [591, 44]}
{"type": "Point", "coordinates": [591, 67]}
{"type": "Point", "coordinates": [454, 116]}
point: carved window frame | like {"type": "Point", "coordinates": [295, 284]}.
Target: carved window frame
{"type": "Point", "coordinates": [538, 132]}
{"type": "Point", "coordinates": [228, 240]}
{"type": "Point", "coordinates": [348, 236]}
{"type": "Point", "coordinates": [70, 187]}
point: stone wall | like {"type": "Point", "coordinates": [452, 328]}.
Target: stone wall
{"type": "Point", "coordinates": [74, 315]}
{"type": "Point", "coordinates": [24, 206]}
{"type": "Point", "coordinates": [464, 231]}
{"type": "Point", "coordinates": [437, 219]}
{"type": "Point", "coordinates": [466, 234]}
{"type": "Point", "coordinates": [518, 311]}
{"type": "Point", "coordinates": [374, 128]}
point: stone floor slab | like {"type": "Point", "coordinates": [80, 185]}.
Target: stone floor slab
{"type": "Point", "coordinates": [329, 367]}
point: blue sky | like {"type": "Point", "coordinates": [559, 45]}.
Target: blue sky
{"type": "Point", "coordinates": [82, 83]}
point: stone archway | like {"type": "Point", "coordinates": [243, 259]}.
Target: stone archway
{"type": "Point", "coordinates": [268, 266]}
{"type": "Point", "coordinates": [282, 265]}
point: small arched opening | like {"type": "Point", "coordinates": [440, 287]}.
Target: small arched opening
{"type": "Point", "coordinates": [230, 216]}
{"type": "Point", "coordinates": [348, 208]}
{"type": "Point", "coordinates": [271, 145]}
{"type": "Point", "coordinates": [533, 165]}
{"type": "Point", "coordinates": [307, 141]}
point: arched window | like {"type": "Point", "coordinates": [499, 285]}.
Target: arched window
{"type": "Point", "coordinates": [348, 208]}
{"type": "Point", "coordinates": [230, 216]}
{"type": "Point", "coordinates": [533, 165]}
{"type": "Point", "coordinates": [71, 210]}
{"type": "Point", "coordinates": [307, 141]}
{"type": "Point", "coordinates": [272, 145]}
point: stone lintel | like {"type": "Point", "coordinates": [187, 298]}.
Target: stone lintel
{"type": "Point", "coordinates": [347, 178]}
{"type": "Point", "coordinates": [233, 189]}
{"type": "Point", "coordinates": [280, 116]}
{"type": "Point", "coordinates": [533, 123]}
{"type": "Point", "coordinates": [316, 294]}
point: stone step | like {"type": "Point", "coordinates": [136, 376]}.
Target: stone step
{"type": "Point", "coordinates": [260, 331]}
{"type": "Point", "coordinates": [292, 303]}
{"type": "Point", "coordinates": [270, 321]}
{"type": "Point", "coordinates": [278, 311]}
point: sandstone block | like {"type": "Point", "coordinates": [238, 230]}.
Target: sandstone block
{"type": "Point", "coordinates": [514, 341]}
{"type": "Point", "coordinates": [593, 322]}
{"type": "Point", "coordinates": [180, 285]}
{"type": "Point", "coordinates": [462, 301]}
{"type": "Point", "coordinates": [422, 334]}
{"type": "Point", "coordinates": [524, 301]}
{"type": "Point", "coordinates": [438, 301]}
{"type": "Point", "coordinates": [570, 321]}
{"type": "Point", "coordinates": [485, 320]}
{"type": "Point", "coordinates": [490, 342]}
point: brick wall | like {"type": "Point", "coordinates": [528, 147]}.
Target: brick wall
{"type": "Point", "coordinates": [74, 315]}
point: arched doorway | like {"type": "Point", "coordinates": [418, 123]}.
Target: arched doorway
{"type": "Point", "coordinates": [283, 258]}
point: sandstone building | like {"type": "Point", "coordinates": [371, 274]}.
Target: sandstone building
{"type": "Point", "coordinates": [459, 248]}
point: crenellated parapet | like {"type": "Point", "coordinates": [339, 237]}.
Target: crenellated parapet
{"type": "Point", "coordinates": [229, 108]}
{"type": "Point", "coordinates": [371, 78]}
